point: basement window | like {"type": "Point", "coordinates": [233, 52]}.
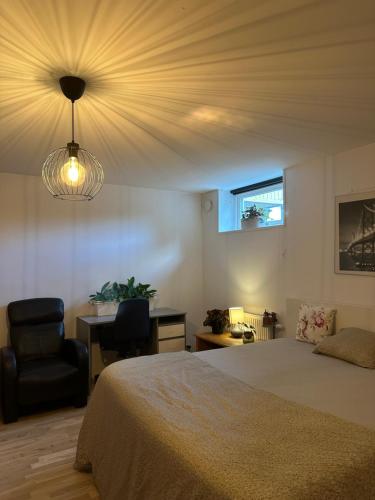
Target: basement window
{"type": "Point", "coordinates": [264, 199]}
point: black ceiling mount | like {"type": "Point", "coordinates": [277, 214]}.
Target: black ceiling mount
{"type": "Point", "coordinates": [72, 87]}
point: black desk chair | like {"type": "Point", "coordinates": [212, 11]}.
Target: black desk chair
{"type": "Point", "coordinates": [41, 365]}
{"type": "Point", "coordinates": [131, 331]}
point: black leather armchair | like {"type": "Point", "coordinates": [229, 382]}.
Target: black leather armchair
{"type": "Point", "coordinates": [41, 365]}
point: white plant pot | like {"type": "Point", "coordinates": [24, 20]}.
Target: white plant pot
{"type": "Point", "coordinates": [249, 223]}
{"type": "Point", "coordinates": [105, 308]}
{"type": "Point", "coordinates": [153, 302]}
{"type": "Point", "coordinates": [110, 308]}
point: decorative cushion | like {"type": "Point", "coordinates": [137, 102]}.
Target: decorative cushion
{"type": "Point", "coordinates": [314, 323]}
{"type": "Point", "coordinates": [350, 344]}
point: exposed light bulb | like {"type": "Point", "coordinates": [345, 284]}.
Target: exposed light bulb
{"type": "Point", "coordinates": [73, 173]}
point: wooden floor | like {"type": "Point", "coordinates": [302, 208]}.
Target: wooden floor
{"type": "Point", "coordinates": [37, 455]}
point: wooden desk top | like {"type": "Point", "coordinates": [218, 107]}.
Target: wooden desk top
{"type": "Point", "coordinates": [155, 313]}
{"type": "Point", "coordinates": [220, 339]}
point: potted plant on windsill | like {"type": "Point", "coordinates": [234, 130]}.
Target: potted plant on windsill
{"type": "Point", "coordinates": [251, 217]}
{"type": "Point", "coordinates": [217, 319]}
{"type": "Point", "coordinates": [106, 301]}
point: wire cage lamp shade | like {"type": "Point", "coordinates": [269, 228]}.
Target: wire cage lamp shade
{"type": "Point", "coordinates": [72, 173]}
{"type": "Point", "coordinates": [76, 178]}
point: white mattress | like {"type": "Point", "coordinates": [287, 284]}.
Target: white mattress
{"type": "Point", "coordinates": [289, 369]}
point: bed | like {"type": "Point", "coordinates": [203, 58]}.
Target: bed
{"type": "Point", "coordinates": [288, 368]}
{"type": "Point", "coordinates": [263, 421]}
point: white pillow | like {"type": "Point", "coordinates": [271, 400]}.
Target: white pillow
{"type": "Point", "coordinates": [315, 323]}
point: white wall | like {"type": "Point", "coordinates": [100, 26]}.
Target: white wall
{"type": "Point", "coordinates": [66, 249]}
{"type": "Point", "coordinates": [69, 249]}
{"type": "Point", "coordinates": [262, 268]}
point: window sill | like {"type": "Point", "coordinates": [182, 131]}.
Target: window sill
{"type": "Point", "coordinates": [252, 229]}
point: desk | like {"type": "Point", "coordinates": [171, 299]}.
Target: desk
{"type": "Point", "coordinates": [208, 340]}
{"type": "Point", "coordinates": [168, 330]}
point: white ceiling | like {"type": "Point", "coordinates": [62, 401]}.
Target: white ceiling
{"type": "Point", "coordinates": [191, 94]}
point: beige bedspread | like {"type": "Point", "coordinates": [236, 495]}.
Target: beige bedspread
{"type": "Point", "coordinates": [173, 427]}
{"type": "Point", "coordinates": [289, 369]}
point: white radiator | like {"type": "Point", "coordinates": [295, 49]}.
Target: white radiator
{"type": "Point", "coordinates": [256, 320]}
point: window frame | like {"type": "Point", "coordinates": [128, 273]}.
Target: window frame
{"type": "Point", "coordinates": [243, 192]}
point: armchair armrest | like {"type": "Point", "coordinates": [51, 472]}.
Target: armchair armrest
{"type": "Point", "coordinates": [9, 377]}
{"type": "Point", "coordinates": [75, 352]}
{"type": "Point", "coordinates": [8, 362]}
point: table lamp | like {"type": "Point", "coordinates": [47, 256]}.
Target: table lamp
{"type": "Point", "coordinates": [236, 316]}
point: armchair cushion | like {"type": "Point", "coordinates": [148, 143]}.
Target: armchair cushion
{"type": "Point", "coordinates": [47, 379]}
{"type": "Point", "coordinates": [36, 327]}
{"type": "Point", "coordinates": [37, 341]}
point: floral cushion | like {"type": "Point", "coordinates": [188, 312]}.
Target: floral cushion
{"type": "Point", "coordinates": [315, 323]}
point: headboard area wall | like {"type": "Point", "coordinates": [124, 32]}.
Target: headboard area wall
{"type": "Point", "coordinates": [346, 315]}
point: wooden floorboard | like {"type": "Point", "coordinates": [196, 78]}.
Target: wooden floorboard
{"type": "Point", "coordinates": [37, 455]}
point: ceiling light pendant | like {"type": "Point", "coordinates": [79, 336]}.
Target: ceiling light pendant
{"type": "Point", "coordinates": [72, 173]}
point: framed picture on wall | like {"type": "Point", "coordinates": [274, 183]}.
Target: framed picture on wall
{"type": "Point", "coordinates": [355, 234]}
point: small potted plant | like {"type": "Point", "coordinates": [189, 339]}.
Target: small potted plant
{"type": "Point", "coordinates": [106, 300]}
{"type": "Point", "coordinates": [217, 319]}
{"type": "Point", "coordinates": [131, 290]}
{"type": "Point", "coordinates": [249, 333]}
{"type": "Point", "coordinates": [251, 217]}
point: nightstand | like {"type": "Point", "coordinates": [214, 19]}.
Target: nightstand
{"type": "Point", "coordinates": [208, 340]}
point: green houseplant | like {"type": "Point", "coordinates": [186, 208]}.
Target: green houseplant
{"type": "Point", "coordinates": [105, 301]}
{"type": "Point", "coordinates": [249, 333]}
{"type": "Point", "coordinates": [106, 293]}
{"type": "Point", "coordinates": [131, 290]}
{"type": "Point", "coordinates": [111, 294]}
{"type": "Point", "coordinates": [252, 216]}
{"type": "Point", "coordinates": [217, 319]}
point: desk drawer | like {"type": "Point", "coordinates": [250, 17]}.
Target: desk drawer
{"type": "Point", "coordinates": [168, 331]}
{"type": "Point", "coordinates": [172, 345]}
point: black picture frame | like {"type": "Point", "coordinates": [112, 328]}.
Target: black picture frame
{"type": "Point", "coordinates": [355, 234]}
